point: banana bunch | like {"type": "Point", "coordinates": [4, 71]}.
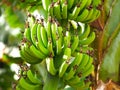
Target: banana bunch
{"type": "Point", "coordinates": [78, 10]}
{"type": "Point", "coordinates": [41, 40]}
{"type": "Point", "coordinates": [29, 82]}
{"type": "Point", "coordinates": [72, 68]}
{"type": "Point", "coordinates": [60, 48]}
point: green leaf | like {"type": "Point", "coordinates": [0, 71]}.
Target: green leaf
{"type": "Point", "coordinates": [113, 22]}
{"type": "Point", "coordinates": [15, 18]}
{"type": "Point", "coordinates": [111, 61]}
{"type": "Point", "coordinates": [108, 4]}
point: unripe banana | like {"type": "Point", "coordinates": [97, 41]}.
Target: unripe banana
{"type": "Point", "coordinates": [50, 66]}
{"type": "Point", "coordinates": [40, 44]}
{"type": "Point", "coordinates": [66, 62]}
{"type": "Point", "coordinates": [34, 33]}
{"type": "Point", "coordinates": [48, 28]}
{"type": "Point", "coordinates": [33, 78]}
{"type": "Point", "coordinates": [64, 10]}
{"type": "Point", "coordinates": [67, 39]}
{"type": "Point", "coordinates": [88, 71]}
{"type": "Point", "coordinates": [44, 36]}
{"type": "Point", "coordinates": [83, 63]}
{"type": "Point", "coordinates": [58, 46]}
{"type": "Point", "coordinates": [74, 80]}
{"type": "Point", "coordinates": [24, 83]}
{"type": "Point", "coordinates": [75, 12]}
{"type": "Point", "coordinates": [73, 67]}
{"type": "Point", "coordinates": [74, 24]}
{"type": "Point", "coordinates": [85, 32]}
{"type": "Point", "coordinates": [30, 20]}
{"type": "Point", "coordinates": [89, 2]}
{"type": "Point", "coordinates": [36, 52]}
{"type": "Point", "coordinates": [96, 3]}
{"type": "Point", "coordinates": [50, 48]}
{"type": "Point", "coordinates": [81, 84]}
{"type": "Point", "coordinates": [75, 43]}
{"type": "Point", "coordinates": [50, 9]}
{"type": "Point", "coordinates": [88, 64]}
{"type": "Point", "coordinates": [70, 3]}
{"type": "Point", "coordinates": [57, 10]}
{"type": "Point", "coordinates": [95, 15]}
{"type": "Point", "coordinates": [46, 4]}
{"type": "Point", "coordinates": [18, 87]}
{"type": "Point", "coordinates": [27, 34]}
{"type": "Point", "coordinates": [54, 29]}
{"type": "Point", "coordinates": [77, 60]}
{"type": "Point", "coordinates": [88, 40]}
{"type": "Point", "coordinates": [89, 16]}
{"type": "Point", "coordinates": [83, 4]}
{"type": "Point", "coordinates": [83, 15]}
{"type": "Point", "coordinates": [27, 57]}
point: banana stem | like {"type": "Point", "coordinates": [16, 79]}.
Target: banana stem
{"type": "Point", "coordinates": [51, 82]}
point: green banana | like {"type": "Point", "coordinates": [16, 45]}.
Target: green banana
{"type": "Point", "coordinates": [95, 15]}
{"type": "Point", "coordinates": [50, 48]}
{"type": "Point", "coordinates": [46, 4]}
{"type": "Point", "coordinates": [88, 71]}
{"type": "Point", "coordinates": [73, 67]}
{"type": "Point", "coordinates": [64, 10]}
{"type": "Point", "coordinates": [88, 64]}
{"type": "Point", "coordinates": [54, 36]}
{"type": "Point", "coordinates": [40, 44]}
{"type": "Point", "coordinates": [88, 40]}
{"type": "Point", "coordinates": [75, 12]}
{"type": "Point", "coordinates": [67, 39]}
{"type": "Point", "coordinates": [70, 3]}
{"type": "Point", "coordinates": [89, 16]}
{"type": "Point", "coordinates": [85, 32]}
{"type": "Point", "coordinates": [85, 49]}
{"type": "Point", "coordinates": [24, 83]}
{"type": "Point", "coordinates": [70, 74]}
{"type": "Point", "coordinates": [96, 3]}
{"type": "Point", "coordinates": [60, 32]}
{"type": "Point", "coordinates": [75, 43]}
{"type": "Point", "coordinates": [32, 50]}
{"type": "Point", "coordinates": [73, 80]}
{"type": "Point", "coordinates": [89, 2]}
{"type": "Point", "coordinates": [50, 66]}
{"type": "Point", "coordinates": [34, 33]}
{"type": "Point", "coordinates": [44, 36]}
{"type": "Point", "coordinates": [33, 78]}
{"type": "Point", "coordinates": [83, 15]}
{"type": "Point", "coordinates": [62, 1]}
{"type": "Point", "coordinates": [27, 57]}
{"type": "Point", "coordinates": [66, 61]}
{"type": "Point", "coordinates": [80, 84]}
{"type": "Point", "coordinates": [27, 34]}
{"type": "Point", "coordinates": [58, 46]}
{"type": "Point", "coordinates": [36, 52]}
{"type": "Point", "coordinates": [48, 28]}
{"type": "Point", "coordinates": [77, 60]}
{"type": "Point", "coordinates": [57, 10]}
{"type": "Point", "coordinates": [64, 67]}
{"type": "Point", "coordinates": [50, 9]}
{"type": "Point", "coordinates": [18, 87]}
{"type": "Point", "coordinates": [83, 63]}
{"type": "Point", "coordinates": [83, 4]}
{"type": "Point", "coordinates": [74, 24]}
{"type": "Point", "coordinates": [30, 20]}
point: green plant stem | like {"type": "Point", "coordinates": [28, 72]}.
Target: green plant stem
{"type": "Point", "coordinates": [51, 82]}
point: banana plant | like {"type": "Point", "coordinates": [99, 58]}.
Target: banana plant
{"type": "Point", "coordinates": [66, 43]}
